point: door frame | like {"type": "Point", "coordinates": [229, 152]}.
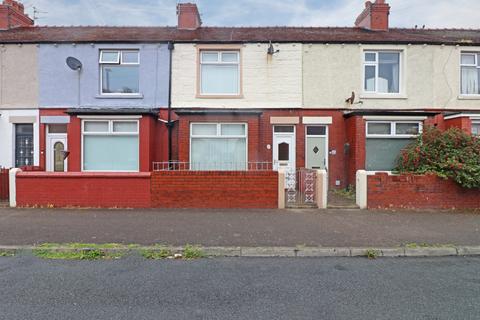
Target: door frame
{"type": "Point", "coordinates": [52, 138]}
{"type": "Point", "coordinates": [317, 136]}
{"type": "Point", "coordinates": [292, 135]}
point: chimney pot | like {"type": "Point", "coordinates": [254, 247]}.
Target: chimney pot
{"type": "Point", "coordinates": [188, 16]}
{"type": "Point", "coordinates": [375, 16]}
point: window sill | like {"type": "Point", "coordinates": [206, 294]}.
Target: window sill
{"type": "Point", "coordinates": [383, 96]}
{"type": "Point", "coordinates": [469, 97]}
{"type": "Point", "coordinates": [119, 96]}
{"type": "Point", "coordinates": [204, 96]}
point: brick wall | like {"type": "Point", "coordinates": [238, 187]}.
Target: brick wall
{"type": "Point", "coordinates": [463, 123]}
{"type": "Point", "coordinates": [220, 189]}
{"type": "Point", "coordinates": [418, 191]}
{"type": "Point", "coordinates": [355, 137]}
{"type": "Point", "coordinates": [96, 190]}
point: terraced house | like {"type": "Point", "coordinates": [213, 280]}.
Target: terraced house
{"type": "Point", "coordinates": [127, 99]}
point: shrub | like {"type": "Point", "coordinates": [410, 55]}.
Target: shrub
{"type": "Point", "coordinates": [450, 154]}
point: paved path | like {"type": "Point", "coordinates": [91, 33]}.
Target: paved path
{"type": "Point", "coordinates": [329, 228]}
{"type": "Point", "coordinates": [240, 288]}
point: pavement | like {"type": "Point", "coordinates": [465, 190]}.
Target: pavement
{"type": "Point", "coordinates": [240, 288]}
{"type": "Point", "coordinates": [248, 228]}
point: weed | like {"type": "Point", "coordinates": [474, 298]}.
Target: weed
{"type": "Point", "coordinates": [348, 192]}
{"type": "Point", "coordinates": [77, 251]}
{"type": "Point", "coordinates": [193, 252]}
{"type": "Point", "coordinates": [372, 254]}
{"type": "Point", "coordinates": [159, 252]}
{"type": "Point", "coordinates": [7, 253]}
{"type": "Point", "coordinates": [86, 254]}
{"type": "Point", "coordinates": [79, 245]}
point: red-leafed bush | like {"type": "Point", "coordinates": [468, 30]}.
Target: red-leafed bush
{"type": "Point", "coordinates": [450, 154]}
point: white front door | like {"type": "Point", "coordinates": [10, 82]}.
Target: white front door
{"type": "Point", "coordinates": [56, 144]}
{"type": "Point", "coordinates": [284, 147]}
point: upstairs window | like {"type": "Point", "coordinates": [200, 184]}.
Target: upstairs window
{"type": "Point", "coordinates": [219, 73]}
{"type": "Point", "coordinates": [470, 66]}
{"type": "Point", "coordinates": [119, 71]}
{"type": "Point", "coordinates": [381, 72]}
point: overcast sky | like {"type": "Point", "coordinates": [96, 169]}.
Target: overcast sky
{"type": "Point", "coordinates": [404, 13]}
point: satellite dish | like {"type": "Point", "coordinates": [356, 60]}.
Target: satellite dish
{"type": "Point", "coordinates": [74, 63]}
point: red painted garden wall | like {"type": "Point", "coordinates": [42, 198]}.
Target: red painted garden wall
{"type": "Point", "coordinates": [219, 189]}
{"type": "Point", "coordinates": [95, 190]}
{"type": "Point", "coordinates": [418, 191]}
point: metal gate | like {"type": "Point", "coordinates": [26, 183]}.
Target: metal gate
{"type": "Point", "coordinates": [300, 188]}
{"type": "Point", "coordinates": [4, 184]}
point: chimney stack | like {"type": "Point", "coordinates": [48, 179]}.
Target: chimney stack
{"type": "Point", "coordinates": [12, 15]}
{"type": "Point", "coordinates": [374, 16]}
{"type": "Point", "coordinates": [188, 16]}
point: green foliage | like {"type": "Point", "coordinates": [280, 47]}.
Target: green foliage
{"type": "Point", "coordinates": [93, 254]}
{"type": "Point", "coordinates": [7, 253]}
{"type": "Point", "coordinates": [77, 251]}
{"type": "Point", "coordinates": [372, 254]}
{"type": "Point", "coordinates": [192, 252]}
{"type": "Point", "coordinates": [158, 252]}
{"type": "Point", "coordinates": [452, 154]}
{"type": "Point", "coordinates": [349, 192]}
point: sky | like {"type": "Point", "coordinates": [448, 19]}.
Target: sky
{"type": "Point", "coordinates": [404, 13]}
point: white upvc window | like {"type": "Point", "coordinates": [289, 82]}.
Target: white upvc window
{"type": "Point", "coordinates": [476, 128]}
{"type": "Point", "coordinates": [382, 72]}
{"type": "Point", "coordinates": [394, 129]}
{"type": "Point", "coordinates": [218, 146]}
{"type": "Point", "coordinates": [386, 139]}
{"type": "Point", "coordinates": [470, 73]}
{"type": "Point", "coordinates": [219, 73]}
{"type": "Point", "coordinates": [119, 72]}
{"type": "Point", "coordinates": [110, 145]}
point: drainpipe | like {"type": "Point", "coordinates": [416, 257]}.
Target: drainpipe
{"type": "Point", "coordinates": [171, 47]}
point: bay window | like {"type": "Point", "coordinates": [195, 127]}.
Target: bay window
{"type": "Point", "coordinates": [110, 145]}
{"type": "Point", "coordinates": [470, 73]}
{"type": "Point", "coordinates": [385, 141]}
{"type": "Point", "coordinates": [218, 146]}
{"type": "Point", "coordinates": [119, 72]}
{"type": "Point", "coordinates": [219, 72]}
{"type": "Point", "coordinates": [381, 72]}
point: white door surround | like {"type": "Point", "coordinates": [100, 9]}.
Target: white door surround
{"type": "Point", "coordinates": [284, 147]}
{"type": "Point", "coordinates": [56, 143]}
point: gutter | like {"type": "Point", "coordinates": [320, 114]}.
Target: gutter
{"type": "Point", "coordinates": [169, 123]}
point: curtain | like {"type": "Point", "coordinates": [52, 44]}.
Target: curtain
{"type": "Point", "coordinates": [470, 78]}
{"type": "Point", "coordinates": [389, 72]}
{"type": "Point", "coordinates": [382, 153]}
{"type": "Point", "coordinates": [218, 154]}
{"type": "Point", "coordinates": [110, 153]}
{"type": "Point", "coordinates": [219, 79]}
